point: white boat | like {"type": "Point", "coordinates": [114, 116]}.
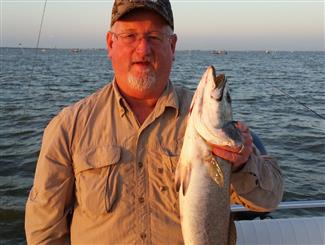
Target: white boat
{"type": "Point", "coordinates": [220, 52]}
{"type": "Point", "coordinates": [297, 230]}
{"type": "Point", "coordinates": [75, 50]}
{"type": "Point", "coordinates": [305, 230]}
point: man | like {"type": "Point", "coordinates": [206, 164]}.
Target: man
{"type": "Point", "coordinates": [105, 173]}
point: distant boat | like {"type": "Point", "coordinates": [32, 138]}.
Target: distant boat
{"type": "Point", "coordinates": [75, 50]}
{"type": "Point", "coordinates": [219, 52]}
{"type": "Point", "coordinates": [268, 51]}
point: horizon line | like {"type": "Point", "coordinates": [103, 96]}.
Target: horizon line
{"type": "Point", "coordinates": [194, 49]}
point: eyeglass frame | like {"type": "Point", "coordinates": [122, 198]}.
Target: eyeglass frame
{"type": "Point", "coordinates": [139, 36]}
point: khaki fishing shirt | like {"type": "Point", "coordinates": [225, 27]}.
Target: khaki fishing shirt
{"type": "Point", "coordinates": [102, 178]}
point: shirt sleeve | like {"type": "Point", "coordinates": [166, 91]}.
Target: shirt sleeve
{"type": "Point", "coordinates": [259, 184]}
{"type": "Point", "coordinates": [50, 199]}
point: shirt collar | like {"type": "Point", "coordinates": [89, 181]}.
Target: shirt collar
{"type": "Point", "coordinates": [168, 99]}
{"type": "Point", "coordinates": [123, 106]}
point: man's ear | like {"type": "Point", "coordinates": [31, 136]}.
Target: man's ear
{"type": "Point", "coordinates": [173, 44]}
{"type": "Point", "coordinates": [109, 43]}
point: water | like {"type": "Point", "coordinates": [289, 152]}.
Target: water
{"type": "Point", "coordinates": [29, 99]}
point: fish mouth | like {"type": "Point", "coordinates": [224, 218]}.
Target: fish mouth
{"type": "Point", "coordinates": [219, 81]}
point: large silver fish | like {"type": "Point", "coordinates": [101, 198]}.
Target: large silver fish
{"type": "Point", "coordinates": [202, 179]}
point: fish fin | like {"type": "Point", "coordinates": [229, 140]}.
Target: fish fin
{"type": "Point", "coordinates": [182, 177]}
{"type": "Point", "coordinates": [216, 172]}
{"type": "Point", "coordinates": [186, 178]}
{"type": "Point", "coordinates": [178, 176]}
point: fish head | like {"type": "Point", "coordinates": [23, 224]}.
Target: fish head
{"type": "Point", "coordinates": [211, 109]}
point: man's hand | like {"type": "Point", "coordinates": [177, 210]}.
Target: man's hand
{"type": "Point", "coordinates": [237, 157]}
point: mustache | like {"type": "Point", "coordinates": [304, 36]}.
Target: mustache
{"type": "Point", "coordinates": [141, 60]}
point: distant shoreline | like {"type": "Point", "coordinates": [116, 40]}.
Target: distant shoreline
{"type": "Point", "coordinates": [181, 50]}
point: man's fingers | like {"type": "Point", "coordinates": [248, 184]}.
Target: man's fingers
{"type": "Point", "coordinates": [227, 155]}
{"type": "Point", "coordinates": [237, 156]}
{"type": "Point", "coordinates": [234, 158]}
{"type": "Point", "coordinates": [248, 139]}
{"type": "Point", "coordinates": [247, 142]}
{"type": "Point", "coordinates": [242, 126]}
{"type": "Point", "coordinates": [227, 148]}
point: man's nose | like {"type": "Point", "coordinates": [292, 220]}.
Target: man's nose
{"type": "Point", "coordinates": [143, 45]}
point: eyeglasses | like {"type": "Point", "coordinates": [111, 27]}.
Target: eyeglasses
{"type": "Point", "coordinates": [132, 38]}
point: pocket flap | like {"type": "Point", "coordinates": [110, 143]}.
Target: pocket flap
{"type": "Point", "coordinates": [96, 158]}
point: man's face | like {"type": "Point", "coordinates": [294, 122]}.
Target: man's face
{"type": "Point", "coordinates": [142, 49]}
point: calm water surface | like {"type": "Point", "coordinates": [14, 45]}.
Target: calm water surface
{"type": "Point", "coordinates": [29, 98]}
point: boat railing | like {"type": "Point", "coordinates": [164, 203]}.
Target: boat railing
{"type": "Point", "coordinates": [287, 205]}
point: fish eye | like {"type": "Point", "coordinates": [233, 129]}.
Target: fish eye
{"type": "Point", "coordinates": [228, 98]}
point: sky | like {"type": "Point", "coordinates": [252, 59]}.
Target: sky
{"type": "Point", "coordinates": [206, 25]}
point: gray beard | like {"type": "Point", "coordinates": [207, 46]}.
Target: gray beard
{"type": "Point", "coordinates": [145, 82]}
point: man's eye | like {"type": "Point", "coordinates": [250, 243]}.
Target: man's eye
{"type": "Point", "coordinates": [129, 36]}
{"type": "Point", "coordinates": [155, 36]}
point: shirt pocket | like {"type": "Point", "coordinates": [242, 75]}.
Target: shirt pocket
{"type": "Point", "coordinates": [170, 153]}
{"type": "Point", "coordinates": [98, 183]}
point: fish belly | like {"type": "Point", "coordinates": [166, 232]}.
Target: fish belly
{"type": "Point", "coordinates": [205, 209]}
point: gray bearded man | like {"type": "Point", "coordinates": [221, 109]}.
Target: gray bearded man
{"type": "Point", "coordinates": [106, 169]}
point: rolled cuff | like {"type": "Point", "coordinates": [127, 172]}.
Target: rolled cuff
{"type": "Point", "coordinates": [259, 184]}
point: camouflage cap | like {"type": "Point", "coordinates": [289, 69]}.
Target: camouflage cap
{"type": "Point", "coordinates": [162, 7]}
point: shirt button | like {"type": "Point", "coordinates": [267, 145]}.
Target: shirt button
{"type": "Point", "coordinates": [140, 164]}
{"type": "Point", "coordinates": [163, 188]}
{"type": "Point", "coordinates": [143, 235]}
{"type": "Point", "coordinates": [141, 200]}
